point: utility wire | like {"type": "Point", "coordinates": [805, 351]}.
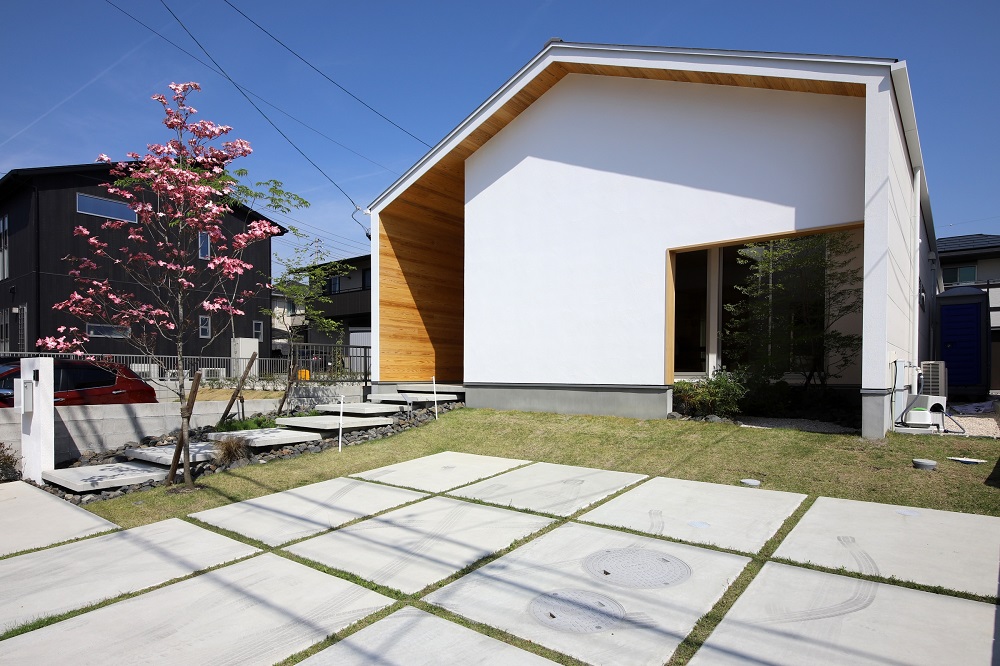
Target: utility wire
{"type": "Point", "coordinates": [265, 116]}
{"type": "Point", "coordinates": [247, 90]}
{"type": "Point", "coordinates": [321, 73]}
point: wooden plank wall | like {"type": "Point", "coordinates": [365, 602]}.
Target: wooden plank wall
{"type": "Point", "coordinates": [421, 284]}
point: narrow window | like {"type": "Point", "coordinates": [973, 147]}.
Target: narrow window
{"type": "Point", "coordinates": [107, 331]}
{"type": "Point", "coordinates": [335, 284]}
{"type": "Point", "coordinates": [4, 246]}
{"type": "Point", "coordinates": [366, 278]}
{"type": "Point", "coordinates": [204, 245]}
{"type": "Point", "coordinates": [109, 209]}
{"type": "Point", "coordinates": [258, 330]}
{"type": "Point", "coordinates": [204, 326]}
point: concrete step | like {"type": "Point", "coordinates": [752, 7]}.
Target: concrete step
{"type": "Point", "coordinates": [103, 477]}
{"type": "Point", "coordinates": [411, 398]}
{"type": "Point", "coordinates": [362, 408]}
{"type": "Point", "coordinates": [330, 424]}
{"type": "Point", "coordinates": [269, 436]}
{"type": "Point", "coordinates": [429, 388]}
{"type": "Point", "coordinates": [164, 455]}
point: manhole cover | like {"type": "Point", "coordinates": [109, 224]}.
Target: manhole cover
{"type": "Point", "coordinates": [577, 611]}
{"type": "Point", "coordinates": [636, 567]}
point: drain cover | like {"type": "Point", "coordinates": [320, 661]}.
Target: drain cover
{"type": "Point", "coordinates": [577, 611]}
{"type": "Point", "coordinates": [637, 568]}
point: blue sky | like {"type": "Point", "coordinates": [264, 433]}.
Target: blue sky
{"type": "Point", "coordinates": [78, 77]}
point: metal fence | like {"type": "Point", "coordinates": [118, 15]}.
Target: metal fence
{"type": "Point", "coordinates": [313, 363]}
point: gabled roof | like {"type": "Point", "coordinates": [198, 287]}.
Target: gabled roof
{"type": "Point", "coordinates": [433, 188]}
{"type": "Point", "coordinates": [968, 244]}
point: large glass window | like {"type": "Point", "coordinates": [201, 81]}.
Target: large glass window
{"type": "Point", "coordinates": [109, 209]}
{"type": "Point", "coordinates": [690, 311]}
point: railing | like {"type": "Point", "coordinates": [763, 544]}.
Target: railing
{"type": "Point", "coordinates": [324, 363]}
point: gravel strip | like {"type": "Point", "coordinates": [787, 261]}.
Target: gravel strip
{"type": "Point", "coordinates": [806, 425]}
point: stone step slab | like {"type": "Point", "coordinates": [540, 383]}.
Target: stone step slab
{"type": "Point", "coordinates": [102, 477]}
{"type": "Point", "coordinates": [262, 437]}
{"type": "Point", "coordinates": [74, 575]}
{"type": "Point", "coordinates": [164, 455]}
{"type": "Point", "coordinates": [429, 388]}
{"type": "Point", "coordinates": [32, 518]}
{"type": "Point", "coordinates": [410, 398]}
{"type": "Point", "coordinates": [260, 611]}
{"type": "Point", "coordinates": [362, 408]}
{"type": "Point", "coordinates": [332, 423]}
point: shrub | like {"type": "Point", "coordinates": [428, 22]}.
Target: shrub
{"type": "Point", "coordinates": [10, 464]}
{"type": "Point", "coordinates": [719, 394]}
{"type": "Point", "coordinates": [250, 423]}
{"type": "Point", "coordinates": [230, 449]}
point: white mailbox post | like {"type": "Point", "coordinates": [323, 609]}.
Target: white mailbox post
{"type": "Point", "coordinates": [33, 399]}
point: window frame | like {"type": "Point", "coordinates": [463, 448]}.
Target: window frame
{"type": "Point", "coordinates": [133, 219]}
{"type": "Point", "coordinates": [958, 274]}
{"type": "Point", "coordinates": [258, 330]}
{"type": "Point", "coordinates": [93, 331]}
{"type": "Point", "coordinates": [204, 327]}
{"type": "Point", "coordinates": [204, 245]}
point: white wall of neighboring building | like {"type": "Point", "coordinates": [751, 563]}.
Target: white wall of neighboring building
{"type": "Point", "coordinates": [571, 209]}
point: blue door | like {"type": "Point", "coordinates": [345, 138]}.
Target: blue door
{"type": "Point", "coordinates": [962, 344]}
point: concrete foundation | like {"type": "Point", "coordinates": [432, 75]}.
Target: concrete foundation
{"type": "Point", "coordinates": [640, 402]}
{"type": "Point", "coordinates": [876, 413]}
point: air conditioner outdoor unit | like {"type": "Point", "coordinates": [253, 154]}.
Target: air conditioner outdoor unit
{"type": "Point", "coordinates": [935, 378]}
{"type": "Point", "coordinates": [213, 373]}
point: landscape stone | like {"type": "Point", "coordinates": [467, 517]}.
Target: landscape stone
{"type": "Point", "coordinates": [556, 489]}
{"type": "Point", "coordinates": [441, 471]}
{"type": "Point", "coordinates": [98, 477]}
{"type": "Point", "coordinates": [293, 514]}
{"type": "Point", "coordinates": [711, 513]}
{"type": "Point", "coordinates": [74, 575]}
{"type": "Point", "coordinates": [259, 611]}
{"type": "Point", "coordinates": [33, 518]}
{"type": "Point", "coordinates": [414, 546]}
{"type": "Point", "coordinates": [790, 615]}
{"type": "Point", "coordinates": [601, 596]}
{"type": "Point", "coordinates": [957, 551]}
{"type": "Point", "coordinates": [412, 636]}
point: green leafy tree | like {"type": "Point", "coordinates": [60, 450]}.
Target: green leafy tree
{"type": "Point", "coordinates": [794, 300]}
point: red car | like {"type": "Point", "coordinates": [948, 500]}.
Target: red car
{"type": "Point", "coordinates": [82, 383]}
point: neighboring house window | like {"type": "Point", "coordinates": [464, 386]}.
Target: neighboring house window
{"type": "Point", "coordinates": [107, 331]}
{"type": "Point", "coordinates": [5, 329]}
{"type": "Point", "coordinates": [366, 278]}
{"type": "Point", "coordinates": [335, 284]}
{"type": "Point", "coordinates": [258, 330]}
{"type": "Point", "coordinates": [204, 245]}
{"type": "Point", "coordinates": [204, 326]}
{"type": "Point", "coordinates": [292, 309]}
{"type": "Point", "coordinates": [958, 274]}
{"type": "Point", "coordinates": [4, 249]}
{"type": "Point", "coordinates": [109, 209]}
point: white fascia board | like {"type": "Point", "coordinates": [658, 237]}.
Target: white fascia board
{"type": "Point", "coordinates": [790, 65]}
{"type": "Point", "coordinates": [908, 116]}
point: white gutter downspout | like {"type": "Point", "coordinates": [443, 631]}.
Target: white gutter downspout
{"type": "Point", "coordinates": [915, 344]}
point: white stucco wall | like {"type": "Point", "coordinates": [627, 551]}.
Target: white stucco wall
{"type": "Point", "coordinates": [571, 209]}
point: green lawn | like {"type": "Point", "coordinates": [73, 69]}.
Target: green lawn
{"type": "Point", "coordinates": [818, 465]}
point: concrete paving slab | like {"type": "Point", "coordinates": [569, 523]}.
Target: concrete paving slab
{"type": "Point", "coordinates": [32, 518]}
{"type": "Point", "coordinates": [441, 471]}
{"type": "Point", "coordinates": [164, 455]}
{"type": "Point", "coordinates": [727, 516]}
{"type": "Point", "coordinates": [412, 547]}
{"type": "Point", "coordinates": [411, 636]}
{"type": "Point", "coordinates": [407, 398]}
{"type": "Point", "coordinates": [789, 615]}
{"type": "Point", "coordinates": [269, 436]}
{"type": "Point", "coordinates": [332, 423]}
{"type": "Point", "coordinates": [429, 388]}
{"type": "Point", "coordinates": [557, 489]}
{"type": "Point", "coordinates": [362, 409]}
{"type": "Point", "coordinates": [101, 477]}
{"type": "Point", "coordinates": [601, 596]}
{"type": "Point", "coordinates": [256, 612]}
{"type": "Point", "coordinates": [301, 512]}
{"type": "Point", "coordinates": [61, 579]}
{"type": "Point", "coordinates": [954, 550]}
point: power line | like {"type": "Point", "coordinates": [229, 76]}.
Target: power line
{"type": "Point", "coordinates": [245, 89]}
{"type": "Point", "coordinates": [321, 73]}
{"type": "Point", "coordinates": [264, 115]}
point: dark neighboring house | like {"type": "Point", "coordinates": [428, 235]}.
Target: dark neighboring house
{"type": "Point", "coordinates": [974, 261]}
{"type": "Point", "coordinates": [39, 208]}
{"type": "Point", "coordinates": [352, 304]}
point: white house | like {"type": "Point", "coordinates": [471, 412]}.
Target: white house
{"type": "Point", "coordinates": [547, 252]}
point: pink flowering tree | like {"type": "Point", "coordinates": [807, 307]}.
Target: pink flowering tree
{"type": "Point", "coordinates": [181, 192]}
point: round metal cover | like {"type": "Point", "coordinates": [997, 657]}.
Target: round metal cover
{"type": "Point", "coordinates": [637, 568]}
{"type": "Point", "coordinates": [577, 611]}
